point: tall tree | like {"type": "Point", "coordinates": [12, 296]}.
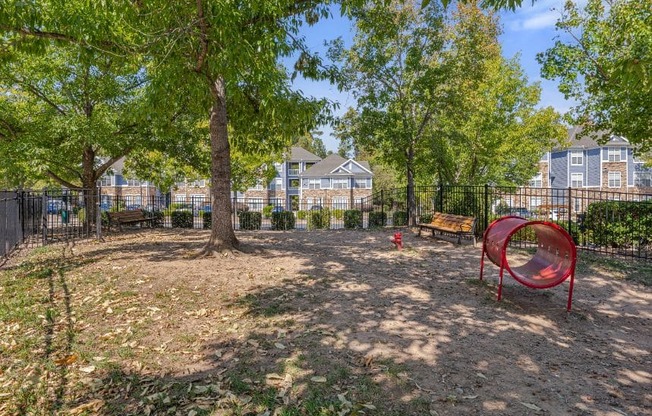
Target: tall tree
{"type": "Point", "coordinates": [491, 131]}
{"type": "Point", "coordinates": [70, 113]}
{"type": "Point", "coordinates": [395, 70]}
{"type": "Point", "coordinates": [606, 66]}
{"type": "Point", "coordinates": [312, 142]}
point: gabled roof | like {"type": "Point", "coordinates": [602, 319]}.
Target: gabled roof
{"type": "Point", "coordinates": [333, 166]}
{"type": "Point", "coordinates": [300, 154]}
{"type": "Point", "coordinates": [591, 141]}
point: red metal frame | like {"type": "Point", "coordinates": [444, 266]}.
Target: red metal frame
{"type": "Point", "coordinates": [538, 260]}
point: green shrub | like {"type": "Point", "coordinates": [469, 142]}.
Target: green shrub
{"type": "Point", "coordinates": [377, 219]}
{"type": "Point", "coordinates": [250, 220]}
{"type": "Point", "coordinates": [118, 206]}
{"type": "Point", "coordinates": [400, 218]}
{"type": "Point", "coordinates": [338, 214]}
{"type": "Point", "coordinates": [104, 217]}
{"type": "Point", "coordinates": [352, 218]}
{"type": "Point", "coordinates": [319, 219]}
{"type": "Point", "coordinates": [283, 220]}
{"type": "Point", "coordinates": [267, 211]}
{"type": "Point", "coordinates": [181, 219]}
{"type": "Point", "coordinates": [207, 220]}
{"type": "Point", "coordinates": [157, 218]}
{"type": "Point", "coordinates": [302, 215]}
{"type": "Point", "coordinates": [618, 224]}
{"type": "Point", "coordinates": [425, 218]}
{"type": "Point", "coordinates": [81, 214]}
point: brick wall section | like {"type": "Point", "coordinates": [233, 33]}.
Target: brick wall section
{"type": "Point", "coordinates": [544, 168]}
{"type": "Point", "coordinates": [614, 167]}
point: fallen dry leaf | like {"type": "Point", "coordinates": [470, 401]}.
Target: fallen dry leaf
{"type": "Point", "coordinates": [92, 406]}
{"type": "Point", "coordinates": [68, 360]}
{"type": "Point", "coordinates": [318, 379]}
{"type": "Point", "coordinates": [531, 406]}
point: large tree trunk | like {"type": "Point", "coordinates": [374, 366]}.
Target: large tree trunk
{"type": "Point", "coordinates": [222, 236]}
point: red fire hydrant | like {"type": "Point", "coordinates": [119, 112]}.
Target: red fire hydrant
{"type": "Point", "coordinates": [398, 241]}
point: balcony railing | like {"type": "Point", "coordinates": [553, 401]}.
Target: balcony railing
{"type": "Point", "coordinates": [293, 172]}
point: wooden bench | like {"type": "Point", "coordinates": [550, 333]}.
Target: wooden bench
{"type": "Point", "coordinates": [452, 224]}
{"type": "Point", "coordinates": [128, 217]}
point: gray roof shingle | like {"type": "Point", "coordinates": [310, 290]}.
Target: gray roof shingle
{"type": "Point", "coordinates": [332, 161]}
{"type": "Point", "coordinates": [299, 153]}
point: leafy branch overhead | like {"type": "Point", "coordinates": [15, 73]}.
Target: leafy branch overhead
{"type": "Point", "coordinates": [606, 66]}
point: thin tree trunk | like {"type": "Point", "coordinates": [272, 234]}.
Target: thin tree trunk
{"type": "Point", "coordinates": [411, 202]}
{"type": "Point", "coordinates": [89, 179]}
{"type": "Point", "coordinates": [222, 236]}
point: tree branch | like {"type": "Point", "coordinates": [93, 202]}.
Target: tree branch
{"type": "Point", "coordinates": [104, 166]}
{"type": "Point", "coordinates": [203, 29]}
{"type": "Point", "coordinates": [62, 181]}
{"type": "Point", "coordinates": [39, 94]}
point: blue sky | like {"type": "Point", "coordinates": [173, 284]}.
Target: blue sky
{"type": "Point", "coordinates": [526, 31]}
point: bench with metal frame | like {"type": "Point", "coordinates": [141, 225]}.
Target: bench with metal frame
{"type": "Point", "coordinates": [459, 225]}
{"type": "Point", "coordinates": [136, 216]}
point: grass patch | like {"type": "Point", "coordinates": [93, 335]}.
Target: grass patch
{"type": "Point", "coordinates": [629, 269]}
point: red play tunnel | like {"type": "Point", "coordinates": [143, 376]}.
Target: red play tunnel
{"type": "Point", "coordinates": [552, 263]}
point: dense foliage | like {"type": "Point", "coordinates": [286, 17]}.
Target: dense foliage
{"type": "Point", "coordinates": [283, 220]}
{"type": "Point", "coordinates": [606, 66]}
{"type": "Point", "coordinates": [352, 219]}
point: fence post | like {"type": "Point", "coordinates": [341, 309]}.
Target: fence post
{"type": "Point", "coordinates": [570, 193]}
{"type": "Point", "coordinates": [44, 216]}
{"type": "Point", "coordinates": [486, 206]}
{"type": "Point", "coordinates": [441, 197]}
{"type": "Point", "coordinates": [98, 213]}
{"type": "Point", "coordinates": [382, 203]}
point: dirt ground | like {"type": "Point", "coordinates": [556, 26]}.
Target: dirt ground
{"type": "Point", "coordinates": [335, 322]}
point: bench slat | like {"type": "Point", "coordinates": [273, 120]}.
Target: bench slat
{"type": "Point", "coordinates": [451, 223]}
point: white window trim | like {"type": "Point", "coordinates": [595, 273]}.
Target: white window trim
{"type": "Point", "coordinates": [344, 181]}
{"type": "Point", "coordinates": [576, 174]}
{"type": "Point", "coordinates": [620, 179]}
{"type": "Point", "coordinates": [616, 152]}
{"type": "Point", "coordinates": [577, 154]}
{"type": "Point", "coordinates": [644, 174]}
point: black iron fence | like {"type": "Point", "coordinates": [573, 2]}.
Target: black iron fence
{"type": "Point", "coordinates": [44, 217]}
{"type": "Point", "coordinates": [247, 213]}
{"type": "Point", "coordinates": [603, 221]}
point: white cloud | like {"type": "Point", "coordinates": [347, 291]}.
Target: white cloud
{"type": "Point", "coordinates": [541, 21]}
{"type": "Point", "coordinates": [541, 15]}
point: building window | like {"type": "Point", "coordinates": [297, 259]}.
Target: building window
{"type": "Point", "coordinates": [341, 183]}
{"type": "Point", "coordinates": [294, 183]}
{"type": "Point", "coordinates": [535, 202]}
{"type": "Point", "coordinates": [293, 170]}
{"type": "Point", "coordinates": [180, 198]}
{"type": "Point", "coordinates": [133, 182]}
{"type": "Point", "coordinates": [199, 184]}
{"type": "Point", "coordinates": [105, 181]}
{"type": "Point", "coordinates": [577, 180]}
{"type": "Point", "coordinates": [613, 154]}
{"type": "Point", "coordinates": [340, 202]}
{"type": "Point", "coordinates": [537, 181]}
{"type": "Point", "coordinates": [276, 184]}
{"type": "Point", "coordinates": [255, 204]}
{"type": "Point", "coordinates": [614, 180]}
{"type": "Point", "coordinates": [577, 158]}
{"type": "Point", "coordinates": [312, 184]}
{"type": "Point", "coordinates": [362, 184]}
{"type": "Point", "coordinates": [643, 179]}
{"type": "Point", "coordinates": [197, 198]}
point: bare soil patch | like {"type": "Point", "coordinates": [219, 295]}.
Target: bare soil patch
{"type": "Point", "coordinates": [315, 323]}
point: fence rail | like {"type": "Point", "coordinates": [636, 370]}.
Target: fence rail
{"type": "Point", "coordinates": [602, 221]}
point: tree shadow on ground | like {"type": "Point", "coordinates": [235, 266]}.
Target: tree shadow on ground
{"type": "Point", "coordinates": [363, 326]}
